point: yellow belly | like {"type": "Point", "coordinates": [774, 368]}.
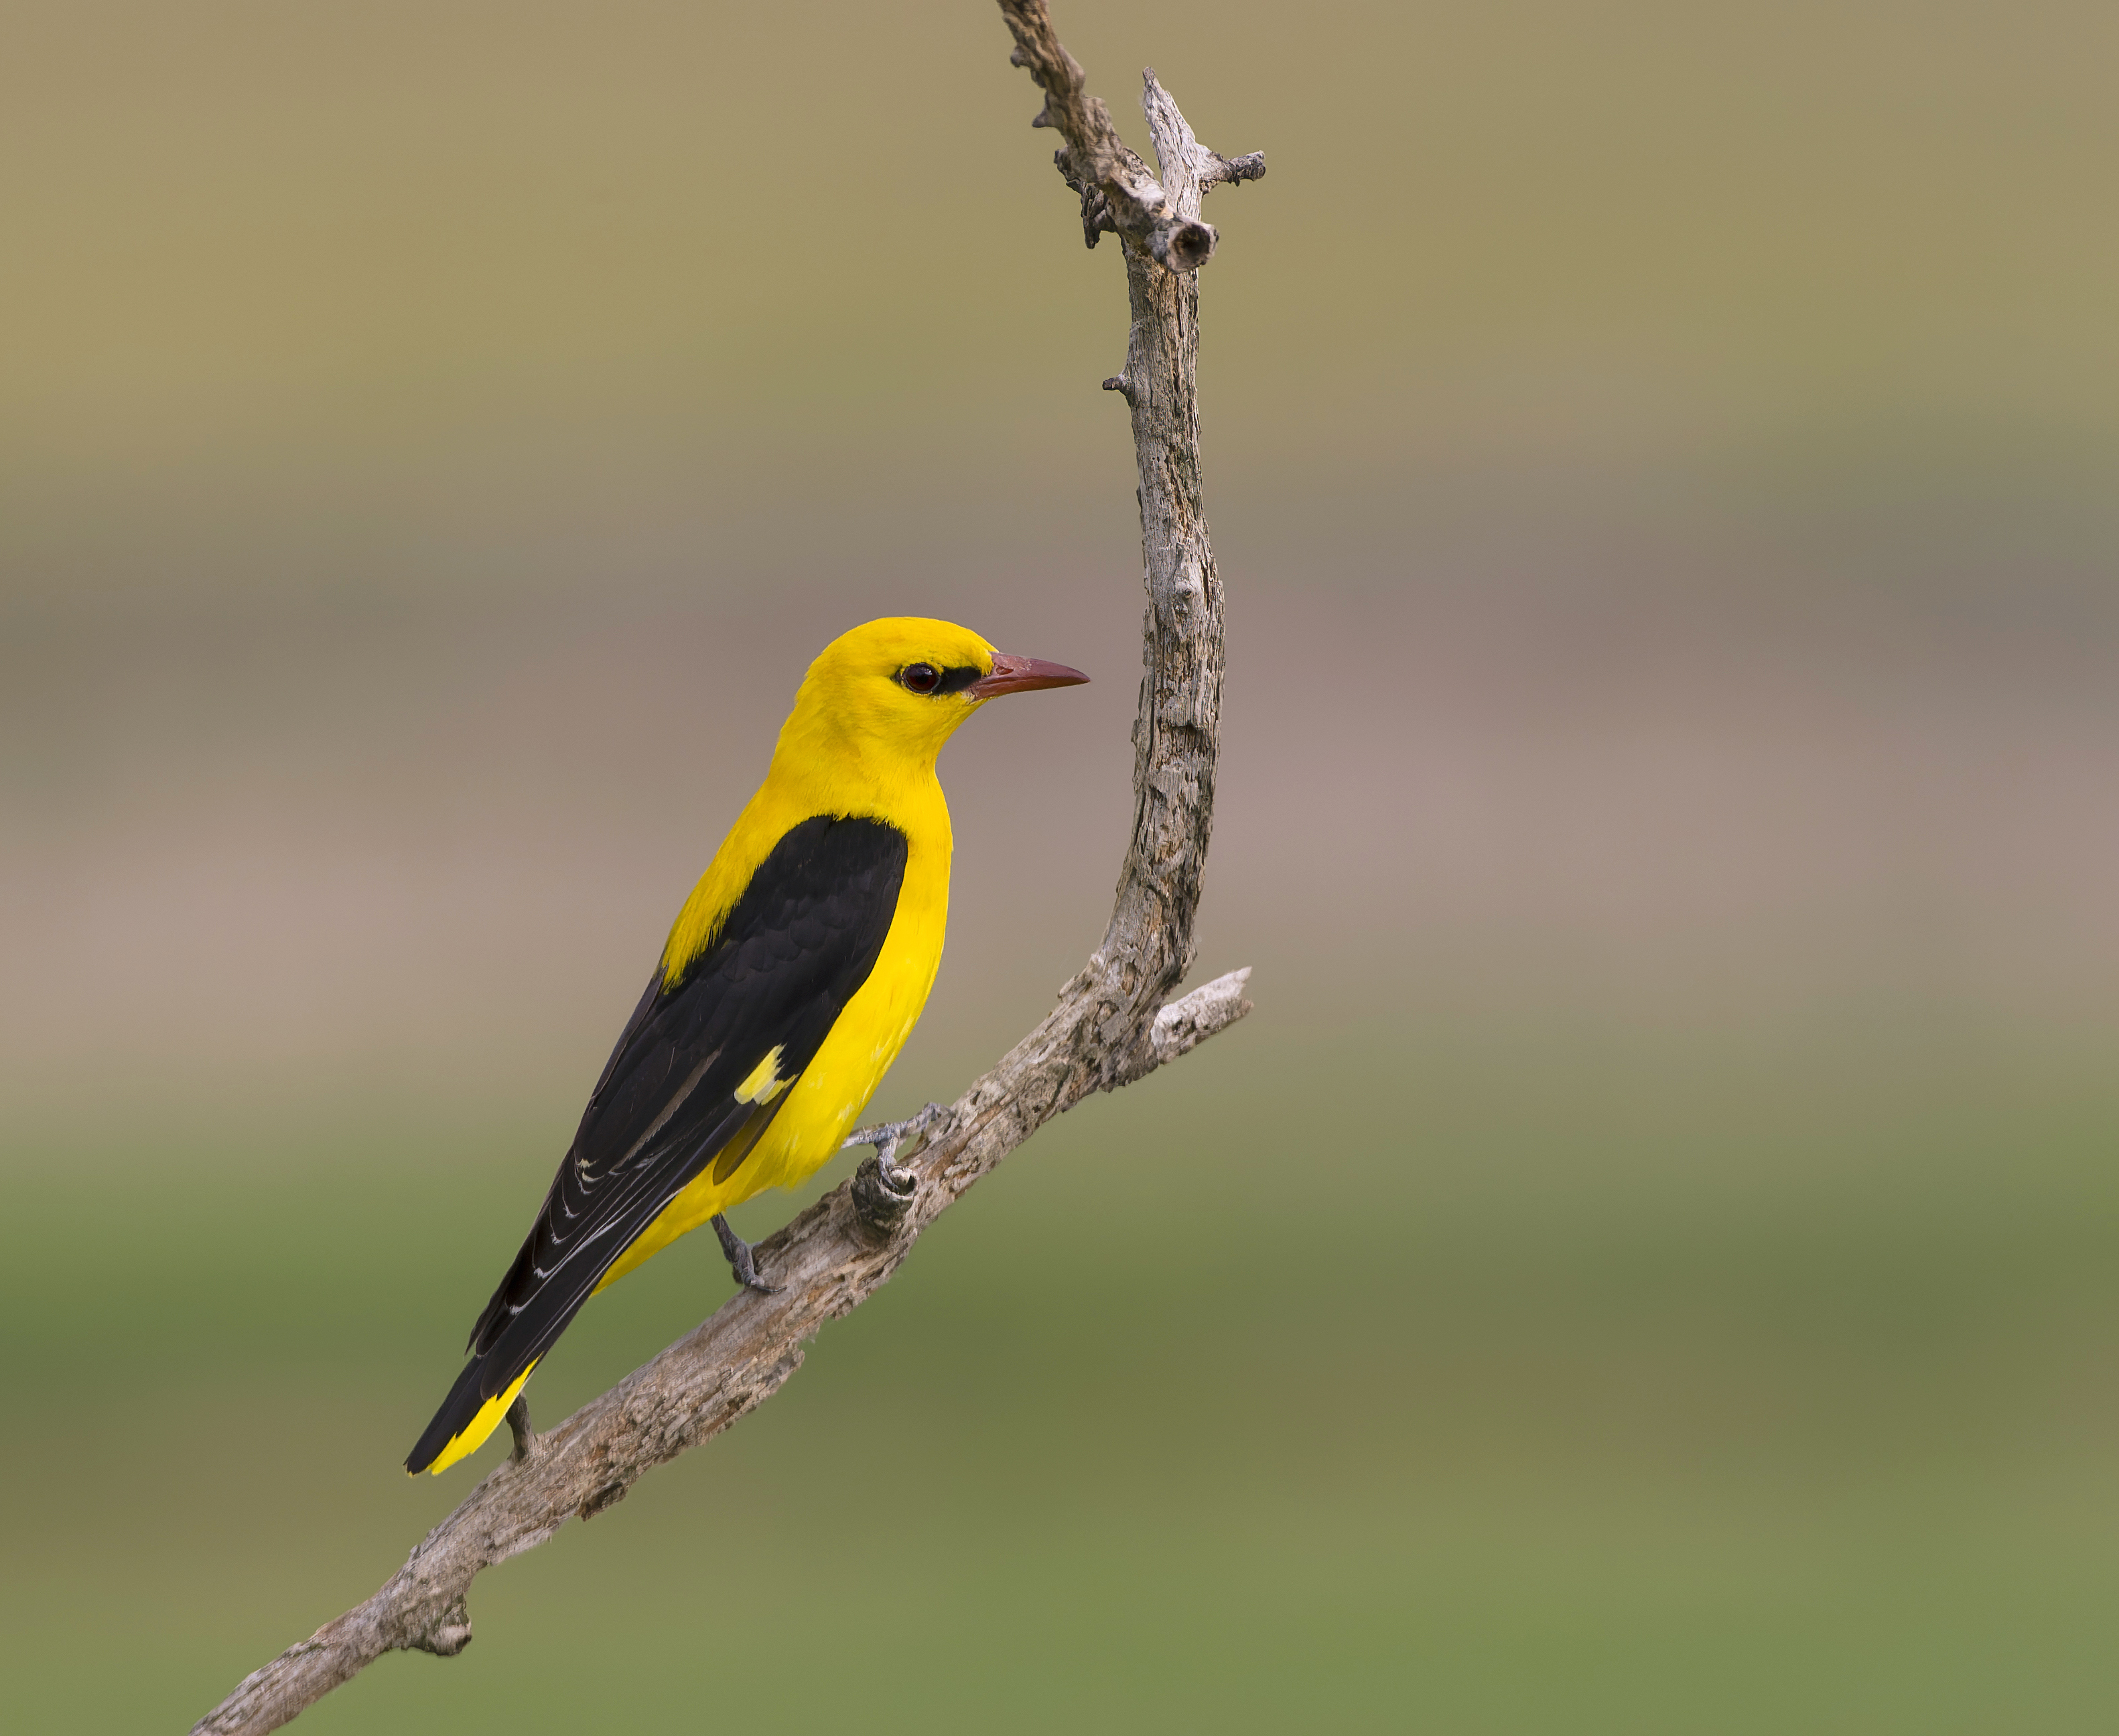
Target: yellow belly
{"type": "Point", "coordinates": [825, 1102]}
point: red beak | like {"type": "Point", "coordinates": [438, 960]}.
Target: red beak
{"type": "Point", "coordinates": [1021, 674]}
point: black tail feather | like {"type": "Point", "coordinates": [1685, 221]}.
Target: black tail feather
{"type": "Point", "coordinates": [466, 1400]}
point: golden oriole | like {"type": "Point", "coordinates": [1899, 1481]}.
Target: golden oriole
{"type": "Point", "coordinates": [794, 974]}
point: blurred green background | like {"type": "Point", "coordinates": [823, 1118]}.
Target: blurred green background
{"type": "Point", "coordinates": [1649, 1263]}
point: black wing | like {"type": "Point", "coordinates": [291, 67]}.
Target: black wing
{"type": "Point", "coordinates": [795, 949]}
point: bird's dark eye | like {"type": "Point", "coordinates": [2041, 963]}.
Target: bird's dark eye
{"type": "Point", "coordinates": [921, 678]}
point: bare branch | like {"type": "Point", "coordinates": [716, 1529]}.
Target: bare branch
{"type": "Point", "coordinates": [1114, 1024]}
{"type": "Point", "coordinates": [1190, 170]}
{"type": "Point", "coordinates": [1183, 1025]}
{"type": "Point", "coordinates": [1117, 192]}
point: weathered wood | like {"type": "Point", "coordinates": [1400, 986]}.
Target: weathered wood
{"type": "Point", "coordinates": [1113, 1023]}
{"type": "Point", "coordinates": [1117, 194]}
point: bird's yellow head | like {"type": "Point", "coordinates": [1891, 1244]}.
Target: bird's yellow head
{"type": "Point", "coordinates": [891, 692]}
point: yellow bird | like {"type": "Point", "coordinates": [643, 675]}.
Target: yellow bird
{"type": "Point", "coordinates": [794, 974]}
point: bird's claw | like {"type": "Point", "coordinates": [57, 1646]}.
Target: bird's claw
{"type": "Point", "coordinates": [886, 1136]}
{"type": "Point", "coordinates": [881, 1190]}
{"type": "Point", "coordinates": [742, 1262]}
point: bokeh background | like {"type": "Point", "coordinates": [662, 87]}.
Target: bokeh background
{"type": "Point", "coordinates": [1651, 1262]}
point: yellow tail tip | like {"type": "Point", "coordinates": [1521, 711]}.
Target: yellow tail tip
{"type": "Point", "coordinates": [467, 1440]}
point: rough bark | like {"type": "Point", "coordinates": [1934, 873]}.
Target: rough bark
{"type": "Point", "coordinates": [1117, 194]}
{"type": "Point", "coordinates": [1113, 1023]}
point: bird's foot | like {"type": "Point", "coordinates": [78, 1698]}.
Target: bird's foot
{"type": "Point", "coordinates": [518, 1425]}
{"type": "Point", "coordinates": [886, 1136]}
{"type": "Point", "coordinates": [882, 1191]}
{"type": "Point", "coordinates": [741, 1261]}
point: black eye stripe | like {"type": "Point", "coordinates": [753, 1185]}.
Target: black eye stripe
{"type": "Point", "coordinates": [927, 681]}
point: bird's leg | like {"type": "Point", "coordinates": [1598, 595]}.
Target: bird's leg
{"type": "Point", "coordinates": [881, 1190]}
{"type": "Point", "coordinates": [518, 1425]}
{"type": "Point", "coordinates": [741, 1259]}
